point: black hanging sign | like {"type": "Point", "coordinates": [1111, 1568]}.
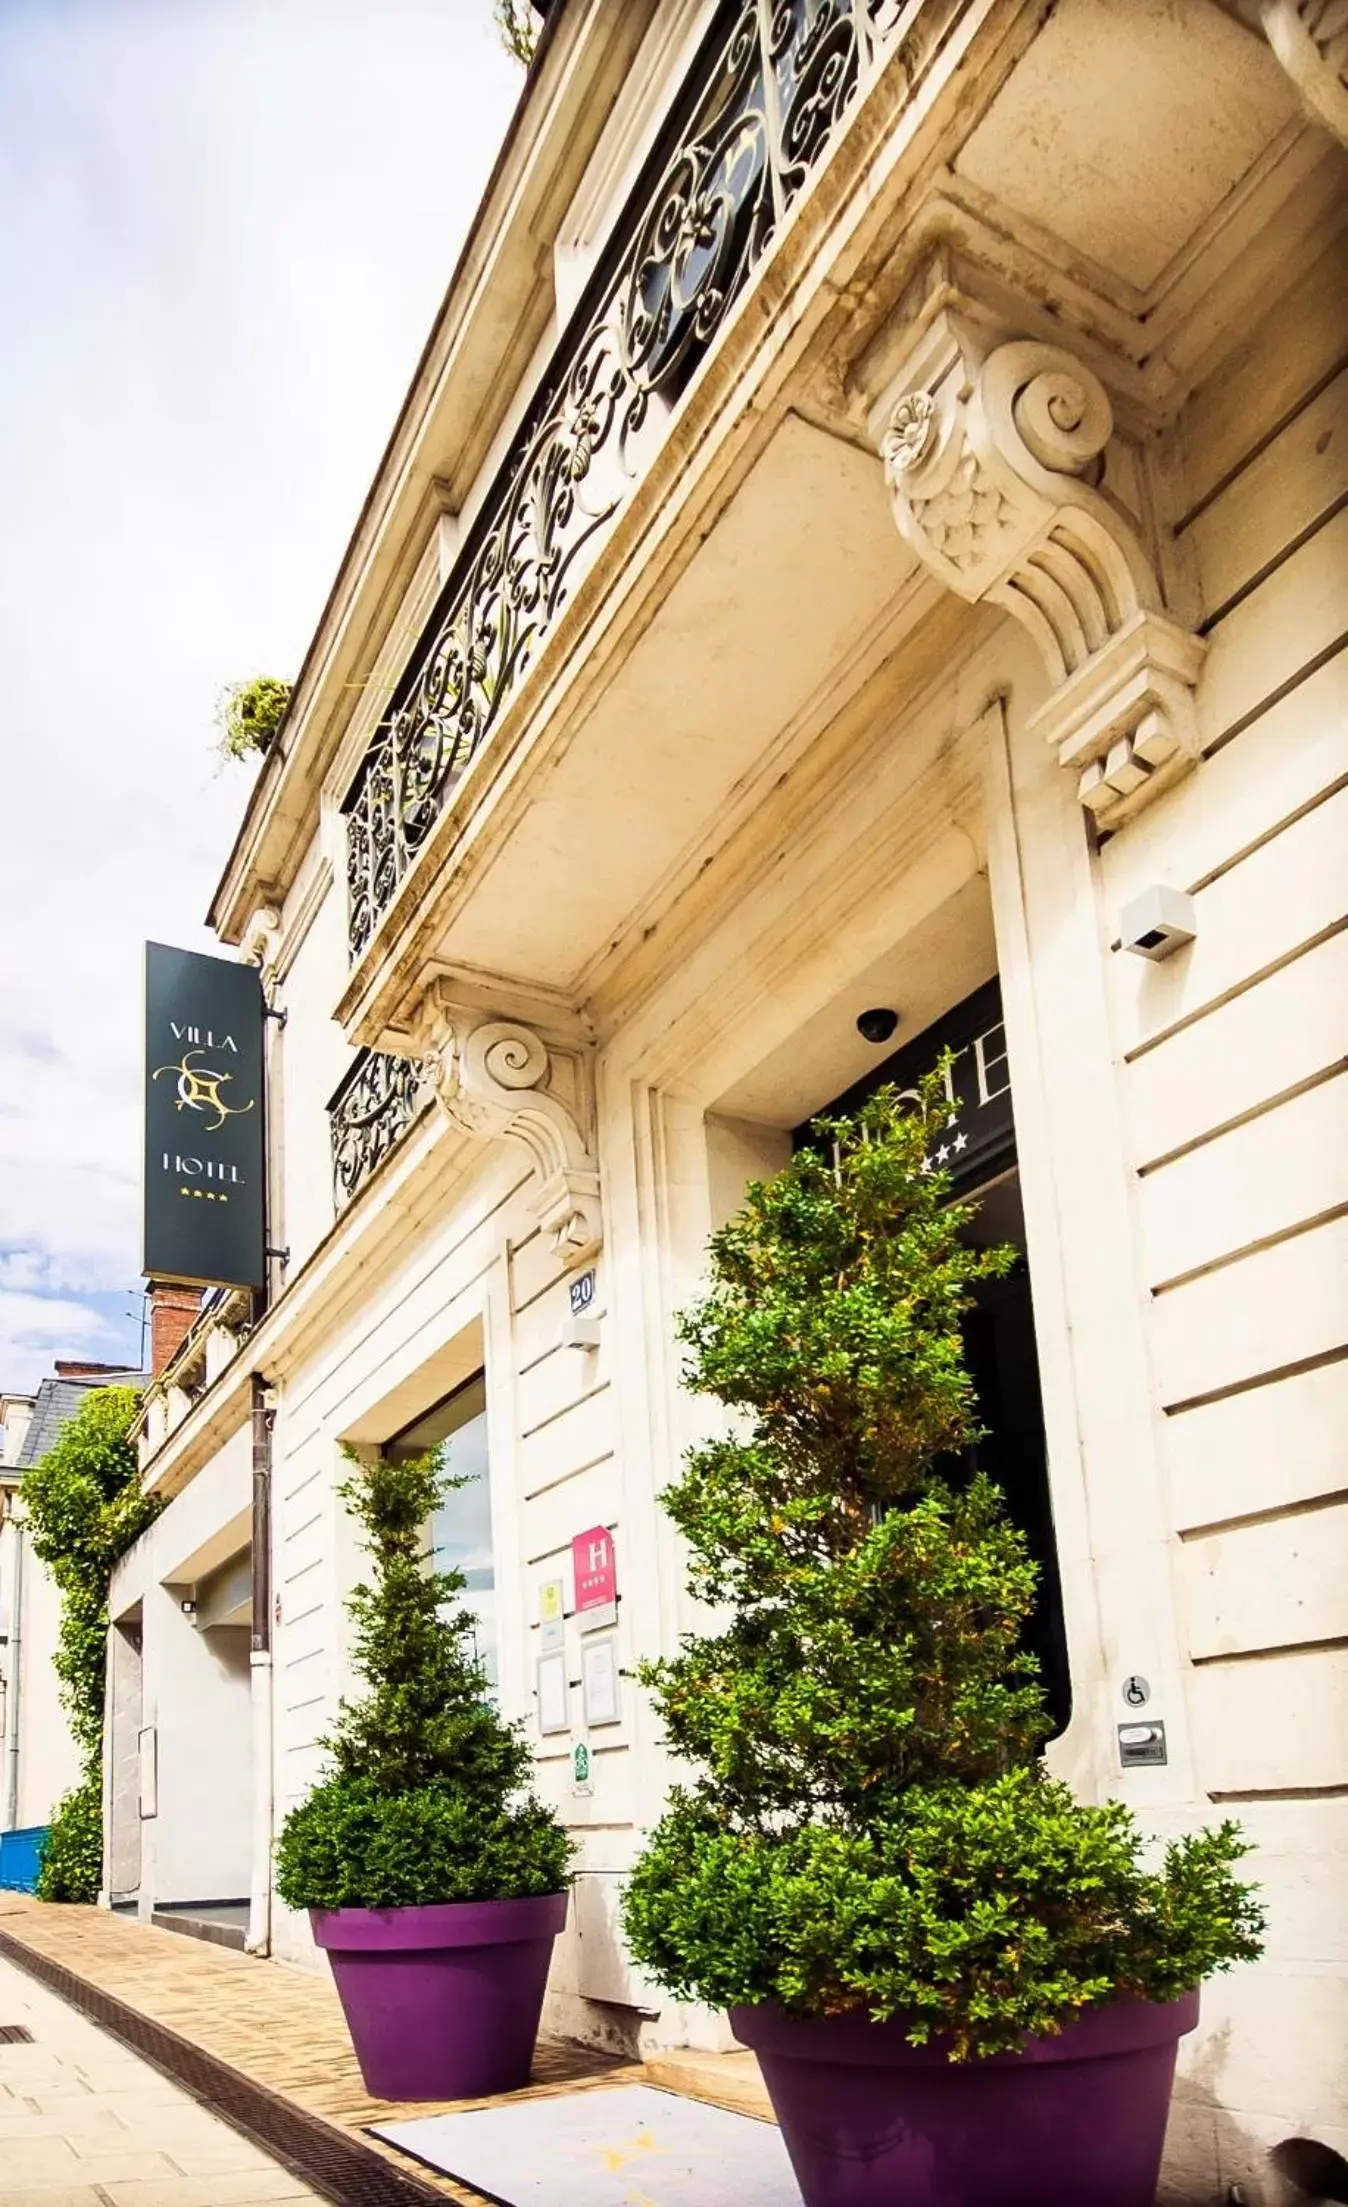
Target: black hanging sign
{"type": "Point", "coordinates": [204, 1134]}
{"type": "Point", "coordinates": [980, 1137]}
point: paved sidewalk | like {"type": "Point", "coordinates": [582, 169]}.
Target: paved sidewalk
{"type": "Point", "coordinates": [85, 2123]}
{"type": "Point", "coordinates": [265, 2044]}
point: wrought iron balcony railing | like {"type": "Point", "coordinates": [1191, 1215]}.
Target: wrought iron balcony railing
{"type": "Point", "coordinates": [755, 117]}
{"type": "Point", "coordinates": [368, 1114]}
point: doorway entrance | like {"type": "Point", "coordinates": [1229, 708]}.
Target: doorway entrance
{"type": "Point", "coordinates": [978, 1150]}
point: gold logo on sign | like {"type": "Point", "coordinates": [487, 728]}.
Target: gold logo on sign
{"type": "Point", "coordinates": [199, 1089]}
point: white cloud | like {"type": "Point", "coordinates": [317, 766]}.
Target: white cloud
{"type": "Point", "coordinates": [36, 1329]}
{"type": "Point", "coordinates": [227, 228]}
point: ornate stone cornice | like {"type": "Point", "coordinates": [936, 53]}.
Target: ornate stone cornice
{"type": "Point", "coordinates": [497, 1079]}
{"type": "Point", "coordinates": [994, 451]}
{"type": "Point", "coordinates": [1310, 39]}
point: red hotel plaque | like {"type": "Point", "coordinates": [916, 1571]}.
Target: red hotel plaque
{"type": "Point", "coordinates": [596, 1571]}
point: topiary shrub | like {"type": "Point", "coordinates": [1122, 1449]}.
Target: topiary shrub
{"type": "Point", "coordinates": [870, 1828]}
{"type": "Point", "coordinates": [423, 1802]}
{"type": "Point", "coordinates": [85, 1507]}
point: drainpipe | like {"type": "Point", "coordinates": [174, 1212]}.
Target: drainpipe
{"type": "Point", "coordinates": [14, 1680]}
{"type": "Point", "coordinates": [259, 1896]}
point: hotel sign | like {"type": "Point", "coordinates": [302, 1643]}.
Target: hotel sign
{"type": "Point", "coordinates": [204, 1134]}
{"type": "Point", "coordinates": [979, 1138]}
{"type": "Point", "coordinates": [595, 1573]}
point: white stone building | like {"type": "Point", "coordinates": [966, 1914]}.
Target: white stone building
{"type": "Point", "coordinates": [868, 517]}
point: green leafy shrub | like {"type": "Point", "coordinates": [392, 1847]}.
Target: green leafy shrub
{"type": "Point", "coordinates": [72, 1857]}
{"type": "Point", "coordinates": [979, 1913]}
{"type": "Point", "coordinates": [425, 1799]}
{"type": "Point", "coordinates": [518, 28]}
{"type": "Point", "coordinates": [871, 1828]}
{"type": "Point", "coordinates": [249, 715]}
{"type": "Point", "coordinates": [85, 1507]}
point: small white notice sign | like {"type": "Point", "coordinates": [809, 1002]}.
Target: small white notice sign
{"type": "Point", "coordinates": [147, 1743]}
{"type": "Point", "coordinates": [553, 1714]}
{"type": "Point", "coordinates": [599, 1683]}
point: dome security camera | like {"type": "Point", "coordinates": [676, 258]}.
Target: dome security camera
{"type": "Point", "coordinates": [878, 1024]}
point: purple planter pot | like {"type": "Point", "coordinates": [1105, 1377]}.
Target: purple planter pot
{"type": "Point", "coordinates": [442, 2003]}
{"type": "Point", "coordinates": [870, 2121]}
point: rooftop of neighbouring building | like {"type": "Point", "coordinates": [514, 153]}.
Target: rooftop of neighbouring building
{"type": "Point", "coordinates": [58, 1400]}
{"type": "Point", "coordinates": [80, 1368]}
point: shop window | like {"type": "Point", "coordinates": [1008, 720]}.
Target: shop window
{"type": "Point", "coordinates": [978, 1149]}
{"type": "Point", "coordinates": [460, 1531]}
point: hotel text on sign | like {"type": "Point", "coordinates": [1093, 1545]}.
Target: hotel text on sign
{"type": "Point", "coordinates": [204, 1135]}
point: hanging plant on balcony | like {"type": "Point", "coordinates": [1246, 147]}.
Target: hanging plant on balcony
{"type": "Point", "coordinates": [871, 1868]}
{"type": "Point", "coordinates": [433, 1878]}
{"type": "Point", "coordinates": [249, 715]}
{"type": "Point", "coordinates": [518, 28]}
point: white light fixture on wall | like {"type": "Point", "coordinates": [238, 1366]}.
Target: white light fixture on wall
{"type": "Point", "coordinates": [1158, 922]}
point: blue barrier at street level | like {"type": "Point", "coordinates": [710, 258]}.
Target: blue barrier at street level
{"type": "Point", "coordinates": [21, 1858]}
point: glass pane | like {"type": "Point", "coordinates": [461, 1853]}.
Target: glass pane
{"type": "Point", "coordinates": [461, 1528]}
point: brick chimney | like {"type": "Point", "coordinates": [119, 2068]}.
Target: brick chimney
{"type": "Point", "coordinates": [173, 1309]}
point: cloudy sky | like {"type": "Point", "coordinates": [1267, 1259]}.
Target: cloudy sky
{"type": "Point", "coordinates": [225, 226]}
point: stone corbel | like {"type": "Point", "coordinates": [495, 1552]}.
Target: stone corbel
{"type": "Point", "coordinates": [261, 941]}
{"type": "Point", "coordinates": [994, 455]}
{"type": "Point", "coordinates": [492, 1078]}
{"type": "Point", "coordinates": [1310, 39]}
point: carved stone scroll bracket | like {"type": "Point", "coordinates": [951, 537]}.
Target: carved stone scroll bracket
{"type": "Point", "coordinates": [1310, 39]}
{"type": "Point", "coordinates": [496, 1079]}
{"type": "Point", "coordinates": [995, 454]}
{"type": "Point", "coordinates": [261, 942]}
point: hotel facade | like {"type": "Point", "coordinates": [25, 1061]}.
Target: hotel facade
{"type": "Point", "coordinates": [865, 536]}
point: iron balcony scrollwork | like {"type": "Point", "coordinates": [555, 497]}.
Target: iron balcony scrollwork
{"type": "Point", "coordinates": [368, 1115]}
{"type": "Point", "coordinates": [761, 105]}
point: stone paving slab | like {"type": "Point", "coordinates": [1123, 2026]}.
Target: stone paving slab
{"type": "Point", "coordinates": [263, 2044]}
{"type": "Point", "coordinates": [609, 2148]}
{"type": "Point", "coordinates": [80, 2125]}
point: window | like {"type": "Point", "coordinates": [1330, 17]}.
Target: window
{"type": "Point", "coordinates": [460, 1531]}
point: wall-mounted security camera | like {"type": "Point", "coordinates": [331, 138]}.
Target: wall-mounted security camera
{"type": "Point", "coordinates": [1158, 922]}
{"type": "Point", "coordinates": [878, 1024]}
{"type": "Point", "coordinates": [579, 1331]}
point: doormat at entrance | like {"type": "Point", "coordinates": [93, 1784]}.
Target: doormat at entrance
{"type": "Point", "coordinates": [627, 2145]}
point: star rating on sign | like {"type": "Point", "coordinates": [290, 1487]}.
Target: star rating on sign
{"type": "Point", "coordinates": [946, 1151]}
{"type": "Point", "coordinates": [212, 1195]}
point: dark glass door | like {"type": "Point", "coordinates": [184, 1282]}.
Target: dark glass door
{"type": "Point", "coordinates": [1004, 1361]}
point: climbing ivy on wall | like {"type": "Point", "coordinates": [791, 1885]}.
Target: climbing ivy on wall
{"type": "Point", "coordinates": [85, 1507]}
